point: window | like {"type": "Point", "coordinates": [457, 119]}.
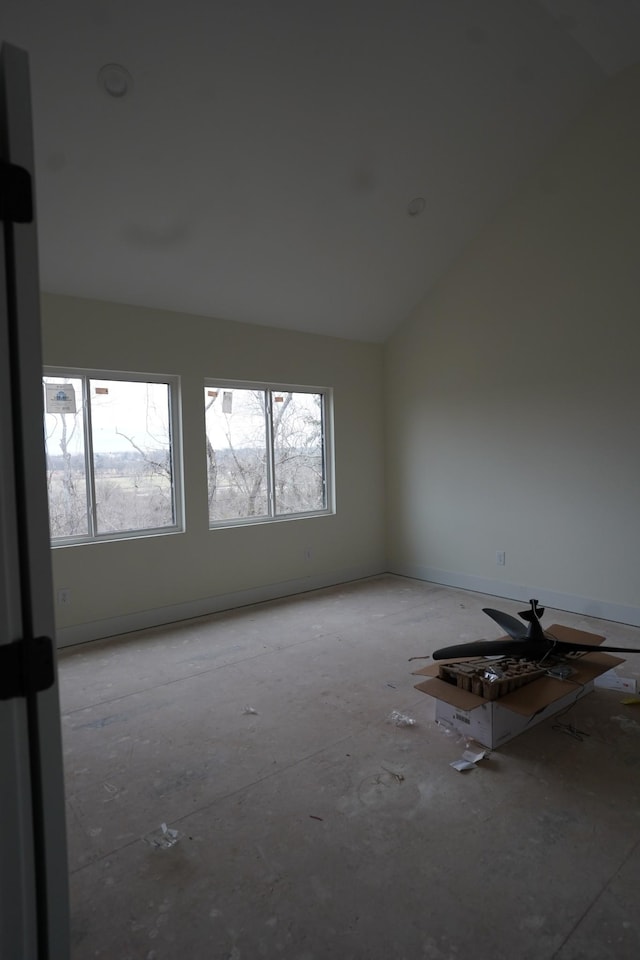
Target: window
{"type": "Point", "coordinates": [111, 455]}
{"type": "Point", "coordinates": [268, 452]}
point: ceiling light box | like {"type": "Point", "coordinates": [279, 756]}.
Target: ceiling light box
{"type": "Point", "coordinates": [495, 722]}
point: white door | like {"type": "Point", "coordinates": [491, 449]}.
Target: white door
{"type": "Point", "coordinates": [34, 911]}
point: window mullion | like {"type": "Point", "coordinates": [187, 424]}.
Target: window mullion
{"type": "Point", "coordinates": [88, 454]}
{"type": "Point", "coordinates": [271, 476]}
{"type": "Point", "coordinates": [323, 451]}
{"type": "Point", "coordinates": [176, 492]}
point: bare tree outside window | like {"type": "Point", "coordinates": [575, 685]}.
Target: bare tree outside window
{"type": "Point", "coordinates": [131, 455]}
{"type": "Point", "coordinates": [298, 452]}
{"type": "Point", "coordinates": [236, 453]}
{"type": "Point", "coordinates": [265, 452]}
{"type": "Point", "coordinates": [66, 473]}
{"type": "Point", "coordinates": [109, 461]}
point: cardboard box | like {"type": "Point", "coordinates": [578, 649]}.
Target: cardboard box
{"type": "Point", "coordinates": [495, 722]}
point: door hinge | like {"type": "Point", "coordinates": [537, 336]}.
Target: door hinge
{"type": "Point", "coordinates": [16, 194]}
{"type": "Point", "coordinates": [26, 667]}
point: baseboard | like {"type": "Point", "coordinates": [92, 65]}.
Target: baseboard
{"type": "Point", "coordinates": [114, 626]}
{"type": "Point", "coordinates": [601, 609]}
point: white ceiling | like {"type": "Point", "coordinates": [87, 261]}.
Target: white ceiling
{"type": "Point", "coordinates": [261, 166]}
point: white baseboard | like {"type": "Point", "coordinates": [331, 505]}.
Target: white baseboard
{"type": "Point", "coordinates": [114, 626]}
{"type": "Point", "coordinates": [601, 609]}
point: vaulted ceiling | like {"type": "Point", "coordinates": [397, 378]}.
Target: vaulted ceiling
{"type": "Point", "coordinates": [310, 165]}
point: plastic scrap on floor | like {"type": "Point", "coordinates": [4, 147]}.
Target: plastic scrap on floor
{"type": "Point", "coordinates": [171, 835]}
{"type": "Point", "coordinates": [461, 765]}
{"type": "Point", "coordinates": [163, 838]}
{"type": "Point", "coordinates": [249, 710]}
{"type": "Point", "coordinates": [469, 760]}
{"type": "Point", "coordinates": [401, 719]}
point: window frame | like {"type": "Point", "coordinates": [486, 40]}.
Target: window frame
{"type": "Point", "coordinates": [328, 450]}
{"type": "Point", "coordinates": [173, 382]}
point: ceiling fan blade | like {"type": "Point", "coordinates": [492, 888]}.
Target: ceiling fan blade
{"type": "Point", "coordinates": [561, 645]}
{"type": "Point", "coordinates": [522, 649]}
{"type": "Point", "coordinates": [482, 648]}
{"type": "Point", "coordinates": [515, 628]}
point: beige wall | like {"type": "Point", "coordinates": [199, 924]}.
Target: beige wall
{"type": "Point", "coordinates": [511, 398]}
{"type": "Point", "coordinates": [513, 392]}
{"type": "Point", "coordinates": [125, 584]}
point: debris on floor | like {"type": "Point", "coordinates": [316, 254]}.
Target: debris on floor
{"type": "Point", "coordinates": [249, 710]}
{"type": "Point", "coordinates": [401, 719]}
{"type": "Point", "coordinates": [163, 838]}
{"type": "Point", "coordinates": [469, 760]}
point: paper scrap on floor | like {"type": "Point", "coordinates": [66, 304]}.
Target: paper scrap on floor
{"type": "Point", "coordinates": [468, 760]}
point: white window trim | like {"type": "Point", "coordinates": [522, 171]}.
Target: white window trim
{"type": "Point", "coordinates": [175, 426]}
{"type": "Point", "coordinates": [328, 450]}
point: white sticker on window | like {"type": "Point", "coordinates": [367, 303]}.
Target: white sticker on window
{"type": "Point", "coordinates": [227, 401]}
{"type": "Point", "coordinates": [61, 398]}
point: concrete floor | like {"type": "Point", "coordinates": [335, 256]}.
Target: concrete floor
{"type": "Point", "coordinates": [312, 827]}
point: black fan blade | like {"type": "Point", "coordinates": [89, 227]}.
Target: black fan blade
{"type": "Point", "coordinates": [522, 649]}
{"type": "Point", "coordinates": [484, 648]}
{"type": "Point", "coordinates": [566, 645]}
{"type": "Point", "coordinates": [509, 624]}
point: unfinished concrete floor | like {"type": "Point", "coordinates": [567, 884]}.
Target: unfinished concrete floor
{"type": "Point", "coordinates": [311, 827]}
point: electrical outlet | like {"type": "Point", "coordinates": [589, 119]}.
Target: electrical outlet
{"type": "Point", "coordinates": [64, 597]}
{"type": "Point", "coordinates": [501, 558]}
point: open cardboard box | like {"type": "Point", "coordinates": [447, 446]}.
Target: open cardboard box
{"type": "Point", "coordinates": [495, 722]}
